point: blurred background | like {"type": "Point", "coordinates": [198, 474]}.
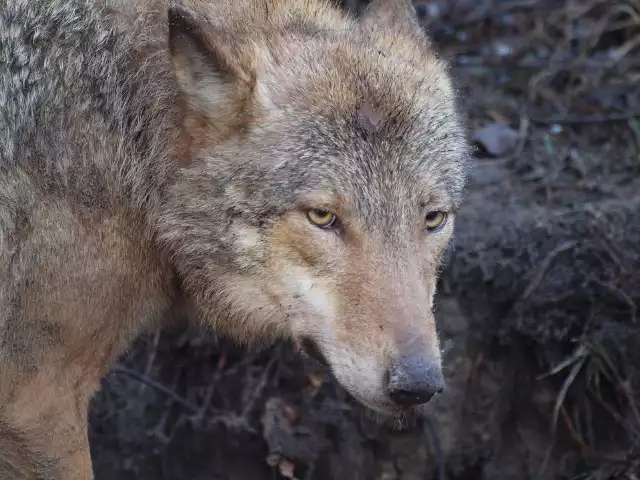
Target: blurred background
{"type": "Point", "coordinates": [537, 307]}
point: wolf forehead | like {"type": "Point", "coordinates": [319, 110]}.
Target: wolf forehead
{"type": "Point", "coordinates": [380, 150]}
{"type": "Point", "coordinates": [356, 115]}
{"type": "Point", "coordinates": [345, 107]}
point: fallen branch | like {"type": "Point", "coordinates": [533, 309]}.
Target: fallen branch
{"type": "Point", "coordinates": [586, 119]}
{"type": "Point", "coordinates": [157, 386]}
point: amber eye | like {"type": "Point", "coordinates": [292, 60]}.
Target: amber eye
{"type": "Point", "coordinates": [434, 221]}
{"type": "Point", "coordinates": [322, 218]}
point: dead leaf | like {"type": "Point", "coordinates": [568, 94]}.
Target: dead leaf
{"type": "Point", "coordinates": [273, 459]}
{"type": "Point", "coordinates": [290, 415]}
{"type": "Point", "coordinates": [222, 361]}
{"type": "Point", "coordinates": [287, 468]}
{"type": "Point", "coordinates": [497, 139]}
{"type": "Point", "coordinates": [316, 379]}
{"type": "Point", "coordinates": [498, 117]}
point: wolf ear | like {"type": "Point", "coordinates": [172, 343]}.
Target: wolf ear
{"type": "Point", "coordinates": [208, 63]}
{"type": "Point", "coordinates": [399, 16]}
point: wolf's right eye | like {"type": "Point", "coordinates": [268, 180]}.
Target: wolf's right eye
{"type": "Point", "coordinates": [434, 221]}
{"type": "Point", "coordinates": [322, 218]}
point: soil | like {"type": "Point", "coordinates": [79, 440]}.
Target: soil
{"type": "Point", "coordinates": [536, 307]}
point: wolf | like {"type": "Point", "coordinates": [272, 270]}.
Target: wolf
{"type": "Point", "coordinates": [281, 169]}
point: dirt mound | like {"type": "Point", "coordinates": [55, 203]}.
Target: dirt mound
{"type": "Point", "coordinates": [550, 293]}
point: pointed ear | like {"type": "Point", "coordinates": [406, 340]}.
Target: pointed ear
{"type": "Point", "coordinates": [397, 16]}
{"type": "Point", "coordinates": [210, 67]}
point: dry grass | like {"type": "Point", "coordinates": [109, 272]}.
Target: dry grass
{"type": "Point", "coordinates": [563, 62]}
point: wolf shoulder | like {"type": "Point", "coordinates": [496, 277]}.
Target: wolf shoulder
{"type": "Point", "coordinates": [73, 91]}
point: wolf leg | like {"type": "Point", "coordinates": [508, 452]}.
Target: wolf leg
{"type": "Point", "coordinates": [43, 434]}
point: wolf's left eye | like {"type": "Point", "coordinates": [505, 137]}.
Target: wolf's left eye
{"type": "Point", "coordinates": [322, 218]}
{"type": "Point", "coordinates": [434, 221]}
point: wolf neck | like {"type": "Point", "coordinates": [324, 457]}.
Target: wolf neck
{"type": "Point", "coordinates": [106, 128]}
{"type": "Point", "coordinates": [152, 119]}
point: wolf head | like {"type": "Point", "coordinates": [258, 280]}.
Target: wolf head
{"type": "Point", "coordinates": [326, 165]}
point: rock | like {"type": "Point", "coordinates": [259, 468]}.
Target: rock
{"type": "Point", "coordinates": [497, 139]}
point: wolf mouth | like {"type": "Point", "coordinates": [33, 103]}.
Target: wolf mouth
{"type": "Point", "coordinates": [310, 348]}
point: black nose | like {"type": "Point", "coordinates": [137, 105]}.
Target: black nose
{"type": "Point", "coordinates": [414, 380]}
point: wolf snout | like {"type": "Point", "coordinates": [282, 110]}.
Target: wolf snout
{"type": "Point", "coordinates": [414, 381]}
